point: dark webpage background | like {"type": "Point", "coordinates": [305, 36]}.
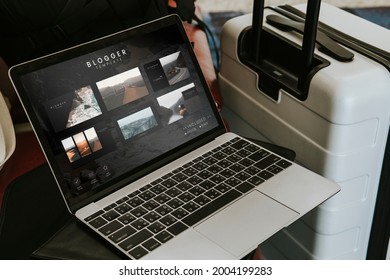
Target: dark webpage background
{"type": "Point", "coordinates": [52, 90]}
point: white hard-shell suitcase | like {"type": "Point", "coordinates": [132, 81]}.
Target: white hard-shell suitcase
{"type": "Point", "coordinates": [335, 115]}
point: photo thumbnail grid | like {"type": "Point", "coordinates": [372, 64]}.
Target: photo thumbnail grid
{"type": "Point", "coordinates": [81, 144]}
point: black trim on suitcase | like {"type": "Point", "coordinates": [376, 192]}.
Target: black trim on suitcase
{"type": "Point", "coordinates": [380, 229]}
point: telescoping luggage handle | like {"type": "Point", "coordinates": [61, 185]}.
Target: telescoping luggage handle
{"type": "Point", "coordinates": [279, 63]}
{"type": "Point", "coordinates": [309, 37]}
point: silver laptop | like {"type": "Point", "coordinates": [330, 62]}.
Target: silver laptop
{"type": "Point", "coordinates": [142, 157]}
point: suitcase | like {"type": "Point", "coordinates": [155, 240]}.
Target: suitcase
{"type": "Point", "coordinates": [330, 103]}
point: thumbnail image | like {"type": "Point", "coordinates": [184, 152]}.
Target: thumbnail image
{"type": "Point", "coordinates": [82, 144]}
{"type": "Point", "coordinates": [84, 107]}
{"type": "Point", "coordinates": [123, 88]}
{"type": "Point", "coordinates": [93, 140]}
{"type": "Point", "coordinates": [70, 149]}
{"type": "Point", "coordinates": [175, 68]}
{"type": "Point", "coordinates": [172, 105]}
{"type": "Point", "coordinates": [137, 123]}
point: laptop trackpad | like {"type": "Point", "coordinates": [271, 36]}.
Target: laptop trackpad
{"type": "Point", "coordinates": [253, 219]}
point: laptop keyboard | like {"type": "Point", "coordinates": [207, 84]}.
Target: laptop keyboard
{"type": "Point", "coordinates": [152, 215]}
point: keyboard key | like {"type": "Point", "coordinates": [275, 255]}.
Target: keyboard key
{"type": "Point", "coordinates": [151, 244]}
{"type": "Point", "coordinates": [168, 220]}
{"type": "Point", "coordinates": [109, 207]}
{"type": "Point", "coordinates": [98, 222]}
{"type": "Point", "coordinates": [252, 148]}
{"type": "Point", "coordinates": [184, 186]}
{"type": "Point", "coordinates": [163, 236]}
{"type": "Point", "coordinates": [126, 218]}
{"type": "Point", "coordinates": [186, 197]}
{"type": "Point", "coordinates": [135, 201]}
{"type": "Point", "coordinates": [207, 185]}
{"type": "Point", "coordinates": [234, 158]}
{"type": "Point", "coordinates": [233, 182]}
{"type": "Point", "coordinates": [212, 194]}
{"type": "Point", "coordinates": [227, 173]}
{"type": "Point", "coordinates": [200, 166]}
{"type": "Point", "coordinates": [179, 213]}
{"type": "Point", "coordinates": [175, 203]}
{"type": "Point", "coordinates": [110, 215]}
{"type": "Point", "coordinates": [194, 180]}
{"type": "Point", "coordinates": [223, 187]}
{"type": "Point", "coordinates": [190, 171]}
{"type": "Point", "coordinates": [215, 169]}
{"type": "Point", "coordinates": [93, 216]}
{"type": "Point", "coordinates": [135, 240]}
{"type": "Point", "coordinates": [191, 206]}
{"type": "Point", "coordinates": [180, 177]}
{"type": "Point", "coordinates": [158, 189]}
{"type": "Point", "coordinates": [242, 176]}
{"type": "Point", "coordinates": [177, 228]}
{"type": "Point", "coordinates": [146, 195]}
{"type": "Point", "coordinates": [243, 153]}
{"type": "Point", "coordinates": [224, 163]}
{"type": "Point", "coordinates": [123, 199]}
{"type": "Point", "coordinates": [204, 174]}
{"type": "Point", "coordinates": [122, 234]}
{"type": "Point", "coordinates": [284, 163]}
{"type": "Point", "coordinates": [172, 192]}
{"type": "Point", "coordinates": [237, 167]}
{"type": "Point", "coordinates": [196, 191]}
{"type": "Point", "coordinates": [156, 227]}
{"type": "Point", "coordinates": [228, 150]}
{"type": "Point", "coordinates": [240, 144]}
{"type": "Point", "coordinates": [139, 211]}
{"type": "Point", "coordinates": [151, 217]}
{"type": "Point", "coordinates": [139, 224]}
{"type": "Point", "coordinates": [255, 180]}
{"type": "Point", "coordinates": [150, 205]}
{"type": "Point", "coordinates": [245, 187]}
{"type": "Point", "coordinates": [138, 252]}
{"type": "Point", "coordinates": [202, 200]}
{"type": "Point", "coordinates": [210, 160]}
{"type": "Point", "coordinates": [217, 179]}
{"type": "Point", "coordinates": [134, 193]}
{"type": "Point", "coordinates": [274, 169]}
{"type": "Point", "coordinates": [210, 208]}
{"type": "Point", "coordinates": [269, 160]}
{"type": "Point", "coordinates": [259, 155]}
{"type": "Point", "coordinates": [163, 210]}
{"type": "Point", "coordinates": [162, 198]}
{"type": "Point", "coordinates": [252, 170]}
{"type": "Point", "coordinates": [246, 162]}
{"type": "Point", "coordinates": [265, 175]}
{"type": "Point", "coordinates": [123, 208]}
{"type": "Point", "coordinates": [169, 183]}
{"type": "Point", "coordinates": [111, 227]}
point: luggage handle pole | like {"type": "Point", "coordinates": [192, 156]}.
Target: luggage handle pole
{"type": "Point", "coordinates": [257, 26]}
{"type": "Point", "coordinates": [309, 39]}
{"type": "Point", "coordinates": [310, 32]}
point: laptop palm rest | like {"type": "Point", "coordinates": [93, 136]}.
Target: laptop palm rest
{"type": "Point", "coordinates": [255, 216]}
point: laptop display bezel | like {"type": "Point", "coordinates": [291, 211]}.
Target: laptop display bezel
{"type": "Point", "coordinates": [19, 70]}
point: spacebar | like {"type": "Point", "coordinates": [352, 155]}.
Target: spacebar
{"type": "Point", "coordinates": [210, 208]}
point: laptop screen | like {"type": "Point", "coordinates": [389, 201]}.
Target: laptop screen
{"type": "Point", "coordinates": [108, 111]}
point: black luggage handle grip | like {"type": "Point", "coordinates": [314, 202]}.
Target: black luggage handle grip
{"type": "Point", "coordinates": [328, 45]}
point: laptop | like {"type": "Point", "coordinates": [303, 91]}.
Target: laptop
{"type": "Point", "coordinates": [141, 155]}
